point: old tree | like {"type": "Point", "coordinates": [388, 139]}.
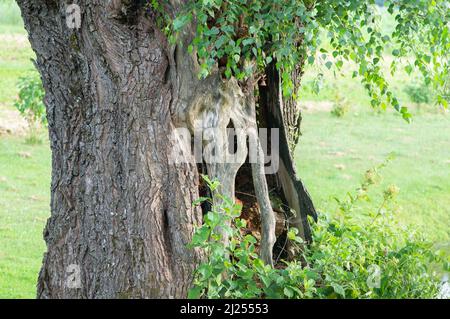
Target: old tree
{"type": "Point", "coordinates": [119, 83]}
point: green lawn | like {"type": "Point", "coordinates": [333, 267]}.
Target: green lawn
{"type": "Point", "coordinates": [15, 52]}
{"type": "Point", "coordinates": [334, 153]}
{"type": "Point", "coordinates": [24, 208]}
{"type": "Point", "coordinates": [332, 156]}
{"type": "Point", "coordinates": [15, 61]}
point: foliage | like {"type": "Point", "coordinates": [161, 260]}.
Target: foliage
{"type": "Point", "coordinates": [345, 249]}
{"type": "Point", "coordinates": [244, 36]}
{"type": "Point", "coordinates": [419, 93]}
{"type": "Point", "coordinates": [344, 260]}
{"type": "Point", "coordinates": [30, 102]}
{"type": "Point", "coordinates": [341, 105]}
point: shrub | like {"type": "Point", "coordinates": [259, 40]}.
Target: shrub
{"type": "Point", "coordinates": [419, 93]}
{"type": "Point", "coordinates": [351, 257]}
{"type": "Point", "coordinates": [341, 105]}
{"type": "Point", "coordinates": [30, 103]}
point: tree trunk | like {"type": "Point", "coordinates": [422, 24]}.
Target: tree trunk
{"type": "Point", "coordinates": [120, 213]}
{"type": "Point", "coordinates": [121, 209]}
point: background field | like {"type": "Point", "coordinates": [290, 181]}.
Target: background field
{"type": "Point", "coordinates": [332, 156]}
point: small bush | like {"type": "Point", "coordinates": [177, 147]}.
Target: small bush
{"type": "Point", "coordinates": [364, 257]}
{"type": "Point", "coordinates": [419, 93]}
{"type": "Point", "coordinates": [30, 103]}
{"type": "Point", "coordinates": [341, 106]}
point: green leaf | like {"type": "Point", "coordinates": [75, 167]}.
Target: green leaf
{"type": "Point", "coordinates": [288, 292]}
{"type": "Point", "coordinates": [409, 69]}
{"type": "Point", "coordinates": [195, 292]}
{"type": "Point", "coordinates": [338, 289]}
{"type": "Point", "coordinates": [180, 21]}
{"type": "Point", "coordinates": [201, 236]}
{"type": "Point", "coordinates": [248, 41]}
{"type": "Point", "coordinates": [199, 200]}
{"type": "Point", "coordinates": [292, 233]}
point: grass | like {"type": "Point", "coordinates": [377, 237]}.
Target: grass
{"type": "Point", "coordinates": [24, 208]}
{"type": "Point", "coordinates": [340, 84]}
{"type": "Point", "coordinates": [15, 61]}
{"type": "Point", "coordinates": [332, 156]}
{"type": "Point", "coordinates": [334, 153]}
{"type": "Point", "coordinates": [24, 172]}
{"type": "Point", "coordinates": [15, 52]}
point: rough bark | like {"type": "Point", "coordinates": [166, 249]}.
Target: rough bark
{"type": "Point", "coordinates": [119, 211]}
